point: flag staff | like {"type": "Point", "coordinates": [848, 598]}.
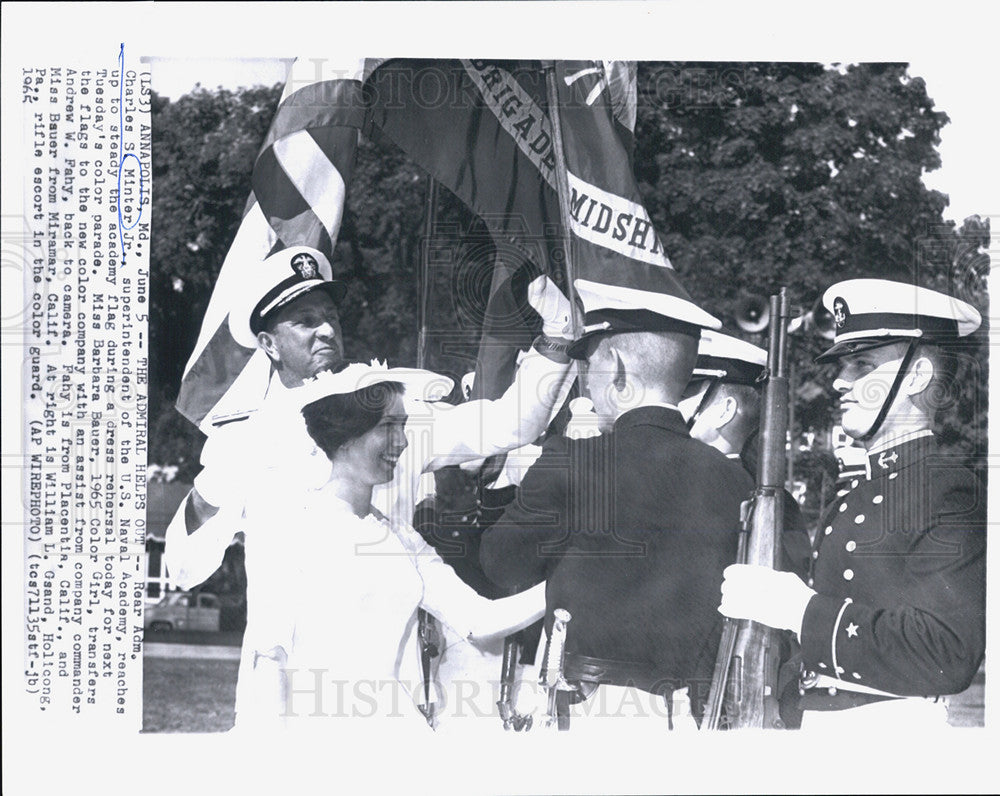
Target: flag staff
{"type": "Point", "coordinates": [427, 631]}
{"type": "Point", "coordinates": [562, 191]}
{"type": "Point", "coordinates": [430, 215]}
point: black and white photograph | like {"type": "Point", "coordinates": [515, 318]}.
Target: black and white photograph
{"type": "Point", "coordinates": [499, 416]}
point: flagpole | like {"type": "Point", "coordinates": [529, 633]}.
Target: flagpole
{"type": "Point", "coordinates": [562, 191]}
{"type": "Point", "coordinates": [430, 214]}
{"type": "Point", "coordinates": [427, 631]}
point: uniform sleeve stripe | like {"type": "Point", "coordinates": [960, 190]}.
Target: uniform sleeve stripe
{"type": "Point", "coordinates": [833, 638]}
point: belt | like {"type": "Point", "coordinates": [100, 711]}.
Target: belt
{"type": "Point", "coordinates": [591, 672]}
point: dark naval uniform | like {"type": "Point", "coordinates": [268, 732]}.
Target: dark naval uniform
{"type": "Point", "coordinates": [899, 567]}
{"type": "Point", "coordinates": [631, 530]}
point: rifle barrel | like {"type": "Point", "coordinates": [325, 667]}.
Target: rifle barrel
{"type": "Point", "coordinates": [748, 655]}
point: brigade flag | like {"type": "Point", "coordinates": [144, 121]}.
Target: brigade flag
{"type": "Point", "coordinates": [299, 185]}
{"type": "Point", "coordinates": [484, 130]}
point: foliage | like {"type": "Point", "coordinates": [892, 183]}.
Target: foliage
{"type": "Point", "coordinates": [762, 175]}
{"type": "Point", "coordinates": [204, 145]}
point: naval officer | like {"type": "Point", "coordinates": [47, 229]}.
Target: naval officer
{"type": "Point", "coordinates": [892, 616]}
{"type": "Point", "coordinates": [631, 529]}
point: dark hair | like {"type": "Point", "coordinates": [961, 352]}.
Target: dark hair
{"type": "Point", "coordinates": [336, 419]}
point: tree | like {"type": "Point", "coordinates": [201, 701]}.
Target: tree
{"type": "Point", "coordinates": [760, 175]}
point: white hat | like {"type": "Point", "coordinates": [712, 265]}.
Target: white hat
{"type": "Point", "coordinates": [421, 384]}
{"type": "Point", "coordinates": [615, 308]}
{"type": "Point", "coordinates": [722, 356]}
{"type": "Point", "coordinates": [273, 283]}
{"type": "Point", "coordinates": [873, 312]}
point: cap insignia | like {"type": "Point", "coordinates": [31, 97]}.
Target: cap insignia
{"type": "Point", "coordinates": [305, 265]}
{"type": "Point", "coordinates": [840, 312]}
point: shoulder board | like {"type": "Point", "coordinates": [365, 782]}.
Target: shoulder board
{"type": "Point", "coordinates": [233, 417]}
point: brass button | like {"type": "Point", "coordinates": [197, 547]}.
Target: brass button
{"type": "Point", "coordinates": [851, 546]}
{"type": "Point", "coordinates": [848, 574]}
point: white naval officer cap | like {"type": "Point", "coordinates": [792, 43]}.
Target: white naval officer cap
{"type": "Point", "coordinates": [616, 308]}
{"type": "Point", "coordinates": [869, 313]}
{"type": "Point", "coordinates": [727, 358]}
{"type": "Point", "coordinates": [269, 285]}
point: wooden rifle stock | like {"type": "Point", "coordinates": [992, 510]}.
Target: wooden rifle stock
{"type": "Point", "coordinates": [746, 667]}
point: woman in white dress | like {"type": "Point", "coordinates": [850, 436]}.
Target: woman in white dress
{"type": "Point", "coordinates": [340, 636]}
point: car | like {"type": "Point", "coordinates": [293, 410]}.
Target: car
{"type": "Point", "coordinates": [182, 610]}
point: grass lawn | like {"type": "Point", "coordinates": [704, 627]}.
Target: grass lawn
{"type": "Point", "coordinates": [185, 695]}
{"type": "Point", "coordinates": [190, 695]}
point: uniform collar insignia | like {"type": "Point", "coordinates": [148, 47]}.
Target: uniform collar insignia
{"type": "Point", "coordinates": [884, 460]}
{"type": "Point", "coordinates": [901, 453]}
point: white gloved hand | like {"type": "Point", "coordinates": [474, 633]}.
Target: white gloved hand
{"type": "Point", "coordinates": [549, 302]}
{"type": "Point", "coordinates": [776, 599]}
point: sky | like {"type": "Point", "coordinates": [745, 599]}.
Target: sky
{"type": "Point", "coordinates": [968, 153]}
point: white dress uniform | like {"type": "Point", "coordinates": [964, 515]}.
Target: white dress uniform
{"type": "Point", "coordinates": [234, 457]}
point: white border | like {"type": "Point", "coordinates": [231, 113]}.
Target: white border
{"type": "Point", "coordinates": [36, 759]}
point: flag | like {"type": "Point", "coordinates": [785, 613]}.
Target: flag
{"type": "Point", "coordinates": [436, 112]}
{"type": "Point", "coordinates": [299, 185]}
{"type": "Point", "coordinates": [484, 130]}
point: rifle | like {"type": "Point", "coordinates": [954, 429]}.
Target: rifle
{"type": "Point", "coordinates": [747, 661]}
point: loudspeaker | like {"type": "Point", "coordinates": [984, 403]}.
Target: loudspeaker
{"type": "Point", "coordinates": [752, 313]}
{"type": "Point", "coordinates": [822, 320]}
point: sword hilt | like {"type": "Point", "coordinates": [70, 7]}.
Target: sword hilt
{"type": "Point", "coordinates": [553, 672]}
{"type": "Point", "coordinates": [555, 653]}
